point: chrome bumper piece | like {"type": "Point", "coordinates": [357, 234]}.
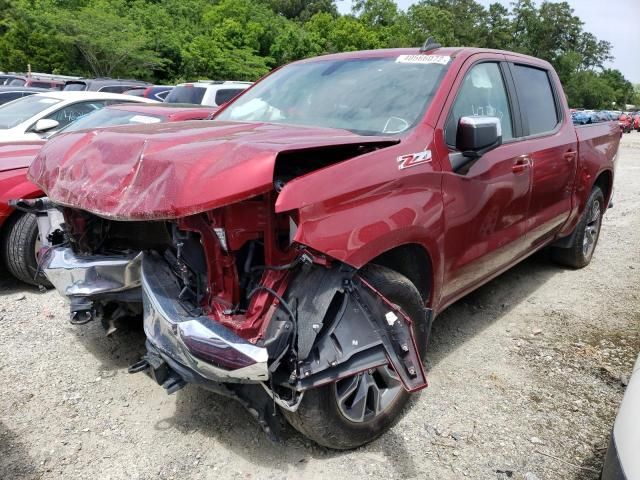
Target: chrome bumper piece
{"type": "Point", "coordinates": [198, 343]}
{"type": "Point", "coordinates": [77, 276]}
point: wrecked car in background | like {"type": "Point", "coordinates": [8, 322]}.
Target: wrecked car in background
{"type": "Point", "coordinates": [19, 230]}
{"type": "Point", "coordinates": [293, 252]}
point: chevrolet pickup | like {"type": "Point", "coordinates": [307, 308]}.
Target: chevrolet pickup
{"type": "Point", "coordinates": [293, 252]}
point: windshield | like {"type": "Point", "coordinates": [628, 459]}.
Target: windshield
{"type": "Point", "coordinates": [22, 109]}
{"type": "Point", "coordinates": [109, 117]}
{"type": "Point", "coordinates": [370, 96]}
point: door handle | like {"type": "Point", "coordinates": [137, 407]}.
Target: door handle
{"type": "Point", "coordinates": [520, 164]}
{"type": "Point", "coordinates": [570, 156]}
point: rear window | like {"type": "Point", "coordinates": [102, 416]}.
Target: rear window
{"type": "Point", "coordinates": [41, 84]}
{"type": "Point", "coordinates": [186, 94]}
{"type": "Point", "coordinates": [536, 97]}
{"type": "Point", "coordinates": [115, 88]}
{"type": "Point", "coordinates": [17, 82]}
{"type": "Point", "coordinates": [226, 94]}
{"type": "Point", "coordinates": [75, 87]}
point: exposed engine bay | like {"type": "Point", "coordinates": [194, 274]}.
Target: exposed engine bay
{"type": "Point", "coordinates": [229, 301]}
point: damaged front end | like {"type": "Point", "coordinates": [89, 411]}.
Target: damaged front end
{"type": "Point", "coordinates": [230, 302]}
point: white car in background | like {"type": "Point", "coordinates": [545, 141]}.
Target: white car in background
{"type": "Point", "coordinates": [206, 92]}
{"type": "Point", "coordinates": [623, 456]}
{"type": "Point", "coordinates": [30, 118]}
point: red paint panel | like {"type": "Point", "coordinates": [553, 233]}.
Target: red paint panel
{"type": "Point", "coordinates": [18, 154]}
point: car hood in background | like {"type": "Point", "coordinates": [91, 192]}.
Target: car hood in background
{"type": "Point", "coordinates": [173, 170]}
{"type": "Point", "coordinates": [18, 154]}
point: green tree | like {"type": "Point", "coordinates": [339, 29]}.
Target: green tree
{"type": "Point", "coordinates": [110, 42]}
{"type": "Point", "coordinates": [342, 34]}
{"type": "Point", "coordinates": [469, 21]}
{"type": "Point", "coordinates": [622, 88]}
{"type": "Point", "coordinates": [427, 20]}
{"type": "Point", "coordinates": [588, 90]}
{"type": "Point", "coordinates": [234, 42]}
{"type": "Point", "coordinates": [500, 28]}
{"type": "Point", "coordinates": [302, 9]}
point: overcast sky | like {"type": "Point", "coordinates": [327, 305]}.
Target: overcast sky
{"type": "Point", "coordinates": [617, 21]}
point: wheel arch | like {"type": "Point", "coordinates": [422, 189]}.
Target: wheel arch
{"type": "Point", "coordinates": [414, 262]}
{"type": "Point", "coordinates": [604, 181]}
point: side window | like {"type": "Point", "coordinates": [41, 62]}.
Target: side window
{"type": "Point", "coordinates": [482, 93]}
{"type": "Point", "coordinates": [226, 94]}
{"type": "Point", "coordinates": [71, 113]}
{"type": "Point", "coordinates": [536, 99]}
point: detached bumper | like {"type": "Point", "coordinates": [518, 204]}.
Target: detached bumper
{"type": "Point", "coordinates": [196, 343]}
{"type": "Point", "coordinates": [77, 276]}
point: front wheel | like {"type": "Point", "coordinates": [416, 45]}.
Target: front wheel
{"type": "Point", "coordinates": [356, 410]}
{"type": "Point", "coordinates": [20, 244]}
{"type": "Point", "coordinates": [586, 235]}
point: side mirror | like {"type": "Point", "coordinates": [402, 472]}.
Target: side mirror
{"type": "Point", "coordinates": [44, 125]}
{"type": "Point", "coordinates": [477, 135]}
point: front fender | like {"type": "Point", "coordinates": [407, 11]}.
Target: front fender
{"type": "Point", "coordinates": [359, 226]}
{"type": "Point", "coordinates": [13, 185]}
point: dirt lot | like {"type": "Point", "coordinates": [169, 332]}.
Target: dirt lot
{"type": "Point", "coordinates": [525, 378]}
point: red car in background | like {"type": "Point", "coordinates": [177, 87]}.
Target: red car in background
{"type": "Point", "coordinates": [18, 230]}
{"type": "Point", "coordinates": [636, 121]}
{"type": "Point", "coordinates": [626, 123]}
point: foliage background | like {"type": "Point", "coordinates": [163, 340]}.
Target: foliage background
{"type": "Point", "coordinates": [166, 41]}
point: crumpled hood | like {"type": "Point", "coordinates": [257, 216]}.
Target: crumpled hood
{"type": "Point", "coordinates": [172, 170]}
{"type": "Point", "coordinates": [15, 155]}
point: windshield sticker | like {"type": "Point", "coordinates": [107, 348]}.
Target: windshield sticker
{"type": "Point", "coordinates": [441, 59]}
{"type": "Point", "coordinates": [414, 159]}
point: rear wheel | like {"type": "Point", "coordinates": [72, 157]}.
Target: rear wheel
{"type": "Point", "coordinates": [358, 409]}
{"type": "Point", "coordinates": [586, 235]}
{"type": "Point", "coordinates": [20, 244]}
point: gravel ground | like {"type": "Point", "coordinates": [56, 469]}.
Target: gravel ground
{"type": "Point", "coordinates": [525, 378]}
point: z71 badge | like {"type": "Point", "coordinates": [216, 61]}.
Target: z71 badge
{"type": "Point", "coordinates": [414, 159]}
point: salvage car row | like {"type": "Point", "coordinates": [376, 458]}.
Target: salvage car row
{"type": "Point", "coordinates": [213, 93]}
{"type": "Point", "coordinates": [292, 252]}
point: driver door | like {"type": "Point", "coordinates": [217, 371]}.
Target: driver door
{"type": "Point", "coordinates": [485, 209]}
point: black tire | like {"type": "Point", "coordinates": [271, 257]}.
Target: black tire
{"type": "Point", "coordinates": [319, 417]}
{"type": "Point", "coordinates": [586, 234]}
{"type": "Point", "coordinates": [19, 249]}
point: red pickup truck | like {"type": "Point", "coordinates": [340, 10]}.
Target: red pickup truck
{"type": "Point", "coordinates": [293, 252]}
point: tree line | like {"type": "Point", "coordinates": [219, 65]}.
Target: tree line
{"type": "Point", "coordinates": [167, 41]}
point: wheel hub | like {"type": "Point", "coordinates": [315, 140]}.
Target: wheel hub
{"type": "Point", "coordinates": [592, 229]}
{"type": "Point", "coordinates": [365, 396]}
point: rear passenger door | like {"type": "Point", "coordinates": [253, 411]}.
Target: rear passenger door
{"type": "Point", "coordinates": [553, 145]}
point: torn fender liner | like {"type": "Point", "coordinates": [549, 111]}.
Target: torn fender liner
{"type": "Point", "coordinates": [359, 337]}
{"type": "Point", "coordinates": [173, 170]}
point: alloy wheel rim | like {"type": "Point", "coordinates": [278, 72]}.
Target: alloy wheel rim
{"type": "Point", "coordinates": [592, 229]}
{"type": "Point", "coordinates": [366, 395]}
